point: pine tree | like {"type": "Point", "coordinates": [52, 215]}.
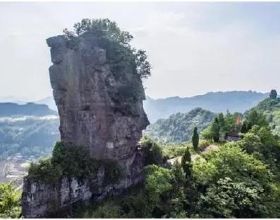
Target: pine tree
{"type": "Point", "coordinates": [195, 139]}
{"type": "Point", "coordinates": [215, 129]}
{"type": "Point", "coordinates": [186, 163]}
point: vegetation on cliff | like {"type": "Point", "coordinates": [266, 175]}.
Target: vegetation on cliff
{"type": "Point", "coordinates": [72, 161]}
{"type": "Point", "coordinates": [120, 53]}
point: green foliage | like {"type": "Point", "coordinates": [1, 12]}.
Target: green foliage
{"type": "Point", "coordinates": [112, 171]}
{"type": "Point", "coordinates": [207, 133]}
{"type": "Point", "coordinates": [152, 152]}
{"type": "Point", "coordinates": [195, 139]}
{"type": "Point", "coordinates": [163, 195]}
{"type": "Point", "coordinates": [72, 161]}
{"type": "Point", "coordinates": [106, 210]}
{"type": "Point", "coordinates": [178, 128]}
{"type": "Point", "coordinates": [172, 151]}
{"type": "Point", "coordinates": [158, 182]}
{"type": "Point", "coordinates": [230, 161]}
{"type": "Point", "coordinates": [229, 199]}
{"type": "Point", "coordinates": [215, 130]}
{"type": "Point", "coordinates": [222, 126]}
{"type": "Point", "coordinates": [186, 163]}
{"type": "Point", "coordinates": [255, 118]}
{"type": "Point", "coordinates": [224, 183]}
{"type": "Point", "coordinates": [103, 28]}
{"type": "Point", "coordinates": [10, 206]}
{"type": "Point", "coordinates": [142, 64]}
{"type": "Point", "coordinates": [251, 143]}
{"type": "Point", "coordinates": [44, 171]}
{"type": "Point", "coordinates": [273, 94]}
{"type": "Point", "coordinates": [203, 144]}
{"type": "Point", "coordinates": [260, 142]}
{"type": "Point", "coordinates": [270, 111]}
{"type": "Point", "coordinates": [117, 44]}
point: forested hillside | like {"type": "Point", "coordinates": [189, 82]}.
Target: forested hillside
{"type": "Point", "coordinates": [28, 135]}
{"type": "Point", "coordinates": [271, 109]}
{"type": "Point", "coordinates": [29, 130]}
{"type": "Point", "coordinates": [179, 127]}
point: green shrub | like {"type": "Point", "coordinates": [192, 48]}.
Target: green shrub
{"type": "Point", "coordinates": [152, 152]}
{"type": "Point", "coordinates": [232, 162]}
{"type": "Point", "coordinates": [203, 144]}
{"type": "Point", "coordinates": [112, 171]}
{"type": "Point", "coordinates": [107, 210]}
{"type": "Point", "coordinates": [10, 206]}
{"type": "Point", "coordinates": [45, 171]}
{"type": "Point", "coordinates": [173, 151]}
{"type": "Point", "coordinates": [229, 199]}
{"type": "Point", "coordinates": [72, 161]}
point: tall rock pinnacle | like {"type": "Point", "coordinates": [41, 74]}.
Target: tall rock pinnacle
{"type": "Point", "coordinates": [96, 80]}
{"type": "Point", "coordinates": [98, 108]}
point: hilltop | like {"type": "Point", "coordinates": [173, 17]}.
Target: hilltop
{"type": "Point", "coordinates": [271, 109]}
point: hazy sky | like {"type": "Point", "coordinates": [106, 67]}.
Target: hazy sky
{"type": "Point", "coordinates": [193, 47]}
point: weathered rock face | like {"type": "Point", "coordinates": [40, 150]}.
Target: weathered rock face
{"type": "Point", "coordinates": [98, 109]}
{"type": "Point", "coordinates": [52, 199]}
{"type": "Point", "coordinates": [92, 111]}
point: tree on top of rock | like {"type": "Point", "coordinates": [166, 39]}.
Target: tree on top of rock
{"type": "Point", "coordinates": [112, 36]}
{"type": "Point", "coordinates": [273, 94]}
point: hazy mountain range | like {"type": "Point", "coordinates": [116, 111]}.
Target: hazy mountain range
{"type": "Point", "coordinates": [8, 109]}
{"type": "Point", "coordinates": [234, 101]}
{"type": "Point", "coordinates": [29, 129]}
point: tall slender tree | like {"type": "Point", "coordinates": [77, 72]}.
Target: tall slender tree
{"type": "Point", "coordinates": [195, 139]}
{"type": "Point", "coordinates": [215, 129]}
{"type": "Point", "coordinates": [186, 163]}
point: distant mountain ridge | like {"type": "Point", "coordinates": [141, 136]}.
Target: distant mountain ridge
{"type": "Point", "coordinates": [234, 101]}
{"type": "Point", "coordinates": [29, 109]}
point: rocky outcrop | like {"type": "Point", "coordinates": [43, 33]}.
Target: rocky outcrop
{"type": "Point", "coordinates": [45, 199]}
{"type": "Point", "coordinates": [100, 104]}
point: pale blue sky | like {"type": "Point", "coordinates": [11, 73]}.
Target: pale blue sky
{"type": "Point", "coordinates": [193, 47]}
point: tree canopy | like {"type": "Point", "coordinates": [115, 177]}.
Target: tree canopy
{"type": "Point", "coordinates": [115, 41]}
